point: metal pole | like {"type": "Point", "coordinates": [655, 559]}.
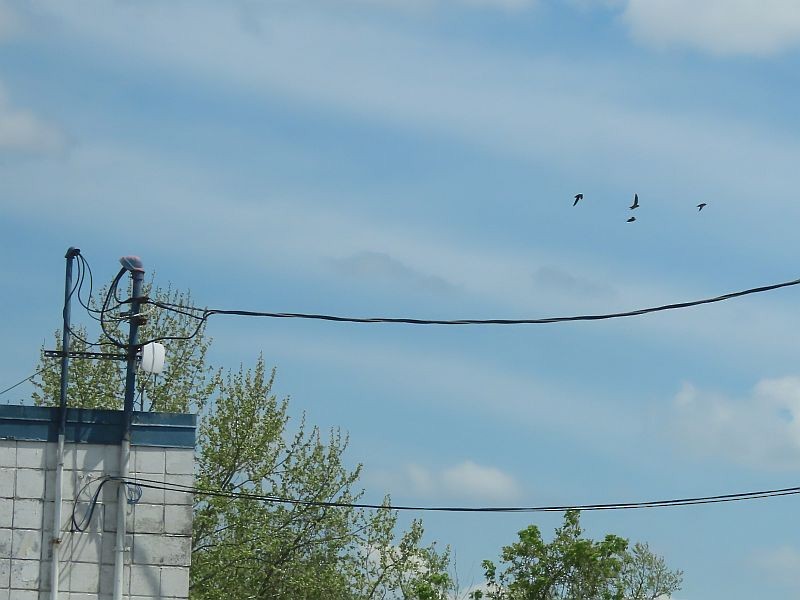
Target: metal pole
{"type": "Point", "coordinates": [134, 265]}
{"type": "Point", "coordinates": [62, 424]}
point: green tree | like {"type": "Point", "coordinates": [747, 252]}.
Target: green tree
{"type": "Point", "coordinates": [646, 576]}
{"type": "Point", "coordinates": [572, 567]}
{"type": "Point", "coordinates": [383, 570]}
{"type": "Point", "coordinates": [248, 549]}
{"type": "Point", "coordinates": [244, 549]}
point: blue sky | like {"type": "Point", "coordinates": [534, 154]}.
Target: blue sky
{"type": "Point", "coordinates": [419, 158]}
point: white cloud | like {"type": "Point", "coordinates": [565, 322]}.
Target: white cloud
{"type": "Point", "coordinates": [503, 5]}
{"type": "Point", "coordinates": [466, 481]}
{"type": "Point", "coordinates": [512, 5]}
{"type": "Point", "coordinates": [720, 27]}
{"type": "Point", "coordinates": [390, 75]}
{"type": "Point", "coordinates": [761, 430]}
{"type": "Point", "coordinates": [459, 383]}
{"type": "Point", "coordinates": [22, 131]}
{"type": "Point", "coordinates": [303, 236]}
{"type": "Point", "coordinates": [478, 481]}
{"type": "Point", "coordinates": [596, 4]}
{"type": "Point", "coordinates": [371, 266]}
{"type": "Point", "coordinates": [781, 564]}
{"type": "Point", "coordinates": [378, 72]}
{"type": "Point", "coordinates": [560, 281]}
{"type": "Point", "coordinates": [9, 20]}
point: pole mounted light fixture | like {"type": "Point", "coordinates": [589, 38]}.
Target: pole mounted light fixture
{"type": "Point", "coordinates": [132, 264]}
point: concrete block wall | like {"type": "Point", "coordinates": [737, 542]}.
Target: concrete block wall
{"type": "Point", "coordinates": [158, 542]}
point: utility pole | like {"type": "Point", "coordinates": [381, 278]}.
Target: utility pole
{"type": "Point", "coordinates": [133, 265]}
{"type": "Point", "coordinates": [62, 423]}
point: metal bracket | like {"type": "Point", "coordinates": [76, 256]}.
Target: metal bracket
{"type": "Point", "coordinates": [92, 355]}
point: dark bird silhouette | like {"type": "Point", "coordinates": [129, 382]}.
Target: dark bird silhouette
{"type": "Point", "coordinates": [631, 220]}
{"type": "Point", "coordinates": [635, 201]}
{"type": "Point", "coordinates": [700, 206]}
{"type": "Point", "coordinates": [578, 198]}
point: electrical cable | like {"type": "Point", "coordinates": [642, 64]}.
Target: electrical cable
{"type": "Point", "coordinates": [133, 492]}
{"type": "Point", "coordinates": [691, 501]}
{"type": "Point", "coordinates": [87, 303]}
{"type": "Point", "coordinates": [76, 287]}
{"type": "Point", "coordinates": [87, 516]}
{"type": "Point", "coordinates": [111, 291]}
{"type": "Point", "coordinates": [83, 268]}
{"type": "Point", "coordinates": [119, 300]}
{"type": "Point", "coordinates": [204, 314]}
{"type": "Point", "coordinates": [19, 383]}
{"type": "Point", "coordinates": [140, 399]}
{"type": "Point", "coordinates": [80, 338]}
{"type": "Point", "coordinates": [201, 321]}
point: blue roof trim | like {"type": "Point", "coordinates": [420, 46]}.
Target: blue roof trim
{"type": "Point", "coordinates": [95, 426]}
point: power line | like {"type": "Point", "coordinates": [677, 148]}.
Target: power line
{"type": "Point", "coordinates": [112, 291]}
{"type": "Point", "coordinates": [83, 269]}
{"type": "Point", "coordinates": [202, 314]}
{"type": "Point", "coordinates": [693, 501]}
{"type": "Point", "coordinates": [19, 383]}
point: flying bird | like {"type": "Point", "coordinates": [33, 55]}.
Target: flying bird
{"type": "Point", "coordinates": [635, 201]}
{"type": "Point", "coordinates": [700, 206]}
{"type": "Point", "coordinates": [631, 220]}
{"type": "Point", "coordinates": [578, 198]}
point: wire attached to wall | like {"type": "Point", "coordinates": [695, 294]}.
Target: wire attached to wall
{"type": "Point", "coordinates": [84, 522]}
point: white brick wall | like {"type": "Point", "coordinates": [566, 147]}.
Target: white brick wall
{"type": "Point", "coordinates": [159, 526]}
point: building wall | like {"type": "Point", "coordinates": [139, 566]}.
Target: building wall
{"type": "Point", "coordinates": [158, 543]}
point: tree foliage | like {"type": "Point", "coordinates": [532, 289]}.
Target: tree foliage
{"type": "Point", "coordinates": [254, 550]}
{"type": "Point", "coordinates": [291, 550]}
{"type": "Point", "coordinates": [646, 576]}
{"type": "Point", "coordinates": [249, 549]}
{"type": "Point", "coordinates": [185, 385]}
{"type": "Point", "coordinates": [572, 567]}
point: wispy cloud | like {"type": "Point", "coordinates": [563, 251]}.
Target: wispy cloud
{"type": "Point", "coordinates": [378, 72]}
{"type": "Point", "coordinates": [503, 5]}
{"type": "Point", "coordinates": [560, 281]}
{"type": "Point", "coordinates": [458, 383]}
{"type": "Point", "coordinates": [780, 564]}
{"type": "Point", "coordinates": [760, 430]}
{"type": "Point", "coordinates": [23, 131]}
{"type": "Point", "coordinates": [479, 481]}
{"type": "Point", "coordinates": [596, 4]}
{"type": "Point", "coordinates": [370, 266]}
{"type": "Point", "coordinates": [513, 5]}
{"type": "Point", "coordinates": [718, 27]}
{"type": "Point", "coordinates": [431, 85]}
{"type": "Point", "coordinates": [10, 22]}
{"type": "Point", "coordinates": [467, 481]}
{"type": "Point", "coordinates": [303, 236]}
